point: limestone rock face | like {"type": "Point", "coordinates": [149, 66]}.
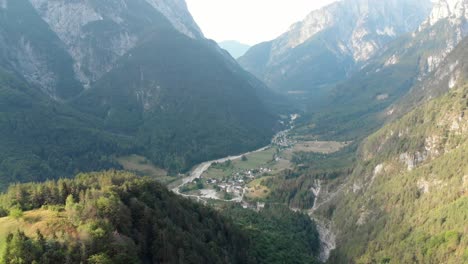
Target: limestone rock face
{"type": "Point", "coordinates": [75, 23]}
{"type": "Point", "coordinates": [89, 37]}
{"type": "Point", "coordinates": [350, 31]}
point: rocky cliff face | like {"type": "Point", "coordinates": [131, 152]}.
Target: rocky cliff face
{"type": "Point", "coordinates": [177, 13]}
{"type": "Point", "coordinates": [428, 49]}
{"type": "Point", "coordinates": [90, 37]}
{"type": "Point", "coordinates": [446, 26]}
{"type": "Point", "coordinates": [452, 71]}
{"type": "Point", "coordinates": [29, 48]}
{"type": "Point", "coordinates": [402, 64]}
{"type": "Point", "coordinates": [453, 10]}
{"type": "Point", "coordinates": [362, 26]}
{"type": "Point", "coordinates": [350, 31]}
{"type": "Point", "coordinates": [97, 34]}
{"type": "Point", "coordinates": [452, 13]}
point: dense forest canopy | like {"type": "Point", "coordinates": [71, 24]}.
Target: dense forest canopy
{"type": "Point", "coordinates": [117, 217]}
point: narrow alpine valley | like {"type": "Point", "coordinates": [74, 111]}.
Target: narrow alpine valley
{"type": "Point", "coordinates": [145, 131]}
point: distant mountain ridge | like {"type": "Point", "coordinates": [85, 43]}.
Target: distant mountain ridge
{"type": "Point", "coordinates": [403, 64]}
{"type": "Point", "coordinates": [331, 42]}
{"type": "Point", "coordinates": [361, 102]}
{"type": "Point", "coordinates": [235, 48]}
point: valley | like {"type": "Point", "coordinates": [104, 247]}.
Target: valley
{"type": "Point", "coordinates": [241, 179]}
{"type": "Point", "coordinates": [130, 135]}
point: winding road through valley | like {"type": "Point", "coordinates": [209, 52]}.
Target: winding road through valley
{"type": "Point", "coordinates": [198, 171]}
{"type": "Point", "coordinates": [327, 237]}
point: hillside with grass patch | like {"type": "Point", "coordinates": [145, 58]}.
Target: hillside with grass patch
{"type": "Point", "coordinates": [118, 217]}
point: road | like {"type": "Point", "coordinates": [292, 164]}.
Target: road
{"type": "Point", "coordinates": [201, 168]}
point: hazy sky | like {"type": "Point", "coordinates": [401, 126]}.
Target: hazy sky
{"type": "Point", "coordinates": [249, 21]}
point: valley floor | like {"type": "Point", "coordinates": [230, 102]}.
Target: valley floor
{"type": "Point", "coordinates": [244, 179]}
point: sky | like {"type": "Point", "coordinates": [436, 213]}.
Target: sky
{"type": "Point", "coordinates": [249, 21]}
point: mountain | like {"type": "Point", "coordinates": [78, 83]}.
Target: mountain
{"type": "Point", "coordinates": [332, 42]}
{"type": "Point", "coordinates": [450, 72]}
{"type": "Point", "coordinates": [31, 50]}
{"type": "Point", "coordinates": [405, 201]}
{"type": "Point", "coordinates": [183, 121]}
{"type": "Point", "coordinates": [235, 48]}
{"type": "Point", "coordinates": [367, 94]}
{"type": "Point", "coordinates": [117, 217]}
{"type": "Point", "coordinates": [43, 139]}
{"type": "Point", "coordinates": [139, 74]}
{"type": "Point", "coordinates": [96, 34]}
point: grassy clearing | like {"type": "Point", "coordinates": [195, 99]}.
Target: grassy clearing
{"type": "Point", "coordinates": [254, 161]}
{"type": "Point", "coordinates": [47, 221]}
{"type": "Point", "coordinates": [256, 189]}
{"type": "Point", "coordinates": [143, 167]}
{"type": "Point", "coordinates": [280, 165]}
{"type": "Point", "coordinates": [324, 147]}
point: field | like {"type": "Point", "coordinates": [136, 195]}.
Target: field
{"type": "Point", "coordinates": [143, 167]}
{"type": "Point", "coordinates": [254, 161]}
{"type": "Point", "coordinates": [324, 147]}
{"type": "Point", "coordinates": [47, 221]}
{"type": "Point", "coordinates": [256, 189]}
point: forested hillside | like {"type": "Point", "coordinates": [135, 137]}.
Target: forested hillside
{"type": "Point", "coordinates": [42, 139]}
{"type": "Point", "coordinates": [406, 200]}
{"type": "Point", "coordinates": [116, 217]}
{"type": "Point", "coordinates": [182, 102]}
{"type": "Point", "coordinates": [85, 82]}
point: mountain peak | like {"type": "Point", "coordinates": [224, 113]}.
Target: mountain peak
{"type": "Point", "coordinates": [177, 13]}
{"type": "Point", "coordinates": [74, 22]}
{"type": "Point", "coordinates": [362, 19]}
{"type": "Point", "coordinates": [348, 33]}
{"type": "Point", "coordinates": [456, 11]}
{"type": "Point", "coordinates": [234, 47]}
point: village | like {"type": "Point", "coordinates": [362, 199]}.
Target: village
{"type": "Point", "coordinates": [231, 179]}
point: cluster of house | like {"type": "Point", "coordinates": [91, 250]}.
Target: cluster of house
{"type": "Point", "coordinates": [282, 140]}
{"type": "Point", "coordinates": [257, 206]}
{"type": "Point", "coordinates": [236, 184]}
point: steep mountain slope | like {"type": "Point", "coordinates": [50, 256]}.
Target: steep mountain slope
{"type": "Point", "coordinates": [139, 75]}
{"type": "Point", "coordinates": [325, 47]}
{"type": "Point", "coordinates": [186, 107]}
{"type": "Point", "coordinates": [34, 52]}
{"type": "Point", "coordinates": [235, 48]}
{"type": "Point", "coordinates": [403, 64]}
{"type": "Point", "coordinates": [42, 139]}
{"type": "Point", "coordinates": [453, 69]}
{"type": "Point", "coordinates": [406, 199]}
{"type": "Point", "coordinates": [96, 34]}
